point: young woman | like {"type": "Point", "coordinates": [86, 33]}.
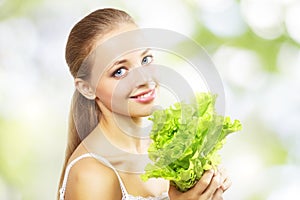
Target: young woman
{"type": "Point", "coordinates": [87, 175]}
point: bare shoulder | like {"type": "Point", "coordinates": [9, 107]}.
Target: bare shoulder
{"type": "Point", "coordinates": [90, 179]}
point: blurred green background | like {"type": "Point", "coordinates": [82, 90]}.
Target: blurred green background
{"type": "Point", "coordinates": [255, 45]}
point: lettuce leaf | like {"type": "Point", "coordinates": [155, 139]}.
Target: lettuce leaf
{"type": "Point", "coordinates": [186, 140]}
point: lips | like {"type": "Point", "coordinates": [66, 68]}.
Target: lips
{"type": "Point", "coordinates": [145, 97]}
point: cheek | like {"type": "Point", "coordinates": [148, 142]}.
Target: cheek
{"type": "Point", "coordinates": [104, 93]}
{"type": "Point", "coordinates": [112, 96]}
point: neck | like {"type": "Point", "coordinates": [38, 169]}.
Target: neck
{"type": "Point", "coordinates": [124, 132]}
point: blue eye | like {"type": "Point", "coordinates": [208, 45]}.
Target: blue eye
{"type": "Point", "coordinates": [120, 72]}
{"type": "Point", "coordinates": [147, 59]}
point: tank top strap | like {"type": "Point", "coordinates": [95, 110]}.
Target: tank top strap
{"type": "Point", "coordinates": [88, 155]}
{"type": "Point", "coordinates": [107, 163]}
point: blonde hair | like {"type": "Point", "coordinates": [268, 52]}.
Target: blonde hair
{"type": "Point", "coordinates": [80, 44]}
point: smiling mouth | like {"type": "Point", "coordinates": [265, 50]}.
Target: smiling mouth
{"type": "Point", "coordinates": [145, 97]}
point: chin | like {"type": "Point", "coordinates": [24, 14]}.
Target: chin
{"type": "Point", "coordinates": [137, 115]}
{"type": "Point", "coordinates": [142, 112]}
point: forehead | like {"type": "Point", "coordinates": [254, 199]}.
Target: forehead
{"type": "Point", "coordinates": [123, 42]}
{"type": "Point", "coordinates": [104, 60]}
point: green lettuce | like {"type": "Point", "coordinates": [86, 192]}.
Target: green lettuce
{"type": "Point", "coordinates": [186, 139]}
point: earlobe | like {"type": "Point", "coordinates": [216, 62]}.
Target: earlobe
{"type": "Point", "coordinates": [84, 88]}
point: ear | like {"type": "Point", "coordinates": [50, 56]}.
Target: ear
{"type": "Point", "coordinates": [84, 88]}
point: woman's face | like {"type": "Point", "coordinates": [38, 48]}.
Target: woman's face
{"type": "Point", "coordinates": [127, 85]}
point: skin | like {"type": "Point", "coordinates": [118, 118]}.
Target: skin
{"type": "Point", "coordinates": [89, 179]}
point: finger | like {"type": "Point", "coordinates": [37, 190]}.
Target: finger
{"type": "Point", "coordinates": [173, 192]}
{"type": "Point", "coordinates": [203, 183]}
{"type": "Point", "coordinates": [225, 179]}
{"type": "Point", "coordinates": [213, 186]}
{"type": "Point", "coordinates": [226, 184]}
{"type": "Point", "coordinates": [218, 195]}
{"type": "Point", "coordinates": [223, 172]}
{"type": "Point", "coordinates": [176, 194]}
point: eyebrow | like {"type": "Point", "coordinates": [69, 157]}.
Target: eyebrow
{"type": "Point", "coordinates": [124, 60]}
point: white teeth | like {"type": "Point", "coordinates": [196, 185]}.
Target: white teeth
{"type": "Point", "coordinates": [144, 95]}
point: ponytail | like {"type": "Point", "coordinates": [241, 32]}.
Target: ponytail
{"type": "Point", "coordinates": [87, 113]}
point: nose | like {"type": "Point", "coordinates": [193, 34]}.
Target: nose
{"type": "Point", "coordinates": [144, 76]}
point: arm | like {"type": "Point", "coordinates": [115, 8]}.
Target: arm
{"type": "Point", "coordinates": [90, 180]}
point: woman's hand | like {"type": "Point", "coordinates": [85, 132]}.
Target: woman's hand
{"type": "Point", "coordinates": [225, 180]}
{"type": "Point", "coordinates": [210, 187]}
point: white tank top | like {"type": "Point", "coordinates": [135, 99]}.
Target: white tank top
{"type": "Point", "coordinates": [125, 195]}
